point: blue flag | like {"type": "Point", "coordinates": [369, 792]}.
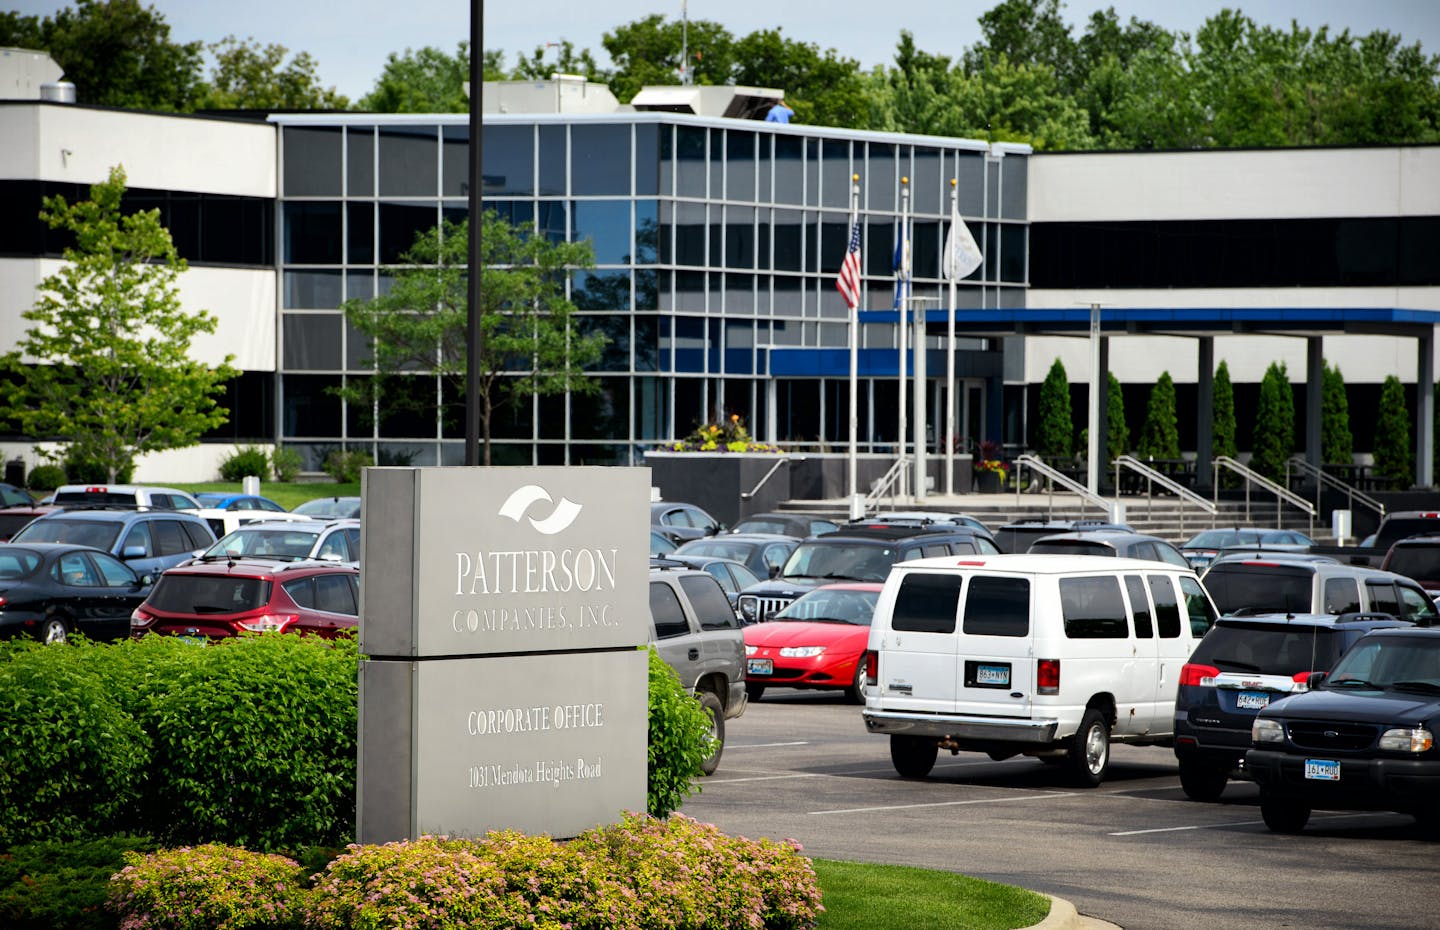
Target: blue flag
{"type": "Point", "coordinates": [902, 271]}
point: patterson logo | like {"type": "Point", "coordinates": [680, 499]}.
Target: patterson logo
{"type": "Point", "coordinates": [560, 518]}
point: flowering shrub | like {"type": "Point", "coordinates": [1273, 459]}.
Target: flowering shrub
{"type": "Point", "coordinates": [210, 887]}
{"type": "Point", "coordinates": [990, 460]}
{"type": "Point", "coordinates": [729, 436]}
{"type": "Point", "coordinates": [995, 465]}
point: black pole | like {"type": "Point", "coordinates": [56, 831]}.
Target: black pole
{"type": "Point", "coordinates": [472, 319]}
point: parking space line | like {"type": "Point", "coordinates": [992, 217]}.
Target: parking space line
{"type": "Point", "coordinates": [901, 807]}
{"type": "Point", "coordinates": [1233, 823]}
{"type": "Point", "coordinates": [798, 742]}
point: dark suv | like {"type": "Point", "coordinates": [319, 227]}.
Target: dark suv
{"type": "Point", "coordinates": [860, 552]}
{"type": "Point", "coordinates": [1417, 558]}
{"type": "Point", "coordinates": [1363, 739]}
{"type": "Point", "coordinates": [1017, 536]}
{"type": "Point", "coordinates": [1112, 543]}
{"type": "Point", "coordinates": [1241, 666]}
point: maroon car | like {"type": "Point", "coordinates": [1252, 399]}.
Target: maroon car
{"type": "Point", "coordinates": [218, 599]}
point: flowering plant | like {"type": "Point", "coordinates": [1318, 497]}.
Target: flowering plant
{"type": "Point", "coordinates": [727, 436]}
{"type": "Point", "coordinates": [990, 460]}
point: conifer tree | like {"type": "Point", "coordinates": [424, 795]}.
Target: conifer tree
{"type": "Point", "coordinates": [1117, 434]}
{"type": "Point", "coordinates": [1337, 445]}
{"type": "Point", "coordinates": [1160, 436]}
{"type": "Point", "coordinates": [1057, 428]}
{"type": "Point", "coordinates": [1392, 434]}
{"type": "Point", "coordinates": [1222, 432]}
{"type": "Point", "coordinates": [1274, 437]}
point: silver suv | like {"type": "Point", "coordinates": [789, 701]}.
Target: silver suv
{"type": "Point", "coordinates": [1287, 582]}
{"type": "Point", "coordinates": [695, 631]}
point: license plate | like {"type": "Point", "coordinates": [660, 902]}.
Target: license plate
{"type": "Point", "coordinates": [1322, 770]}
{"type": "Point", "coordinates": [1252, 700]}
{"type": "Point", "coordinates": [992, 675]}
{"type": "Point", "coordinates": [759, 666]}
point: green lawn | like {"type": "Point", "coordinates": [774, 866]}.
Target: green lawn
{"type": "Point", "coordinates": [863, 896]}
{"type": "Point", "coordinates": [286, 495]}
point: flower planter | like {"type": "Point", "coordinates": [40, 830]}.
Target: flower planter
{"type": "Point", "coordinates": [989, 482]}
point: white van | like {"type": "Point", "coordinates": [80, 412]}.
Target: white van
{"type": "Point", "coordinates": [1052, 656]}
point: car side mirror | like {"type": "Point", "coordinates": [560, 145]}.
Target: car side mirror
{"type": "Point", "coordinates": [1316, 678]}
{"type": "Point", "coordinates": [775, 571]}
{"type": "Point", "coordinates": [133, 552]}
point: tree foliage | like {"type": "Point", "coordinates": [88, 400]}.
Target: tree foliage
{"type": "Point", "coordinates": [1160, 436]}
{"type": "Point", "coordinates": [1392, 434]}
{"type": "Point", "coordinates": [1055, 437]}
{"type": "Point", "coordinates": [529, 342]}
{"type": "Point", "coordinates": [565, 61]}
{"type": "Point", "coordinates": [1222, 430]}
{"type": "Point", "coordinates": [426, 80]}
{"type": "Point", "coordinates": [106, 366]}
{"type": "Point", "coordinates": [1274, 438]}
{"type": "Point", "coordinates": [248, 76]}
{"type": "Point", "coordinates": [1337, 445]}
{"type": "Point", "coordinates": [1117, 432]}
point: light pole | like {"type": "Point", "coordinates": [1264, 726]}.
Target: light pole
{"type": "Point", "coordinates": [921, 392]}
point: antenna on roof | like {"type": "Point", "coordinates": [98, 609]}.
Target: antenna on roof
{"type": "Point", "coordinates": [684, 44]}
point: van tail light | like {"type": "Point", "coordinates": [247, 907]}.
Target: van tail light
{"type": "Point", "coordinates": [872, 668]}
{"type": "Point", "coordinates": [1047, 676]}
{"type": "Point", "coordinates": [1198, 676]}
{"type": "Point", "coordinates": [269, 623]}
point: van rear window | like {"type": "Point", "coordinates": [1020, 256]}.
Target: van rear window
{"type": "Point", "coordinates": [1260, 588]}
{"type": "Point", "coordinates": [997, 607]}
{"type": "Point", "coordinates": [1092, 608]}
{"type": "Point", "coordinates": [926, 603]}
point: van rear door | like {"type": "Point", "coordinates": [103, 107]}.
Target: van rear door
{"type": "Point", "coordinates": [917, 650]}
{"type": "Point", "coordinates": [996, 663]}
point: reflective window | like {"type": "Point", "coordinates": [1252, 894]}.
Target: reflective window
{"type": "Point", "coordinates": [455, 161]}
{"type": "Point", "coordinates": [601, 290]}
{"type": "Point", "coordinates": [881, 180]}
{"type": "Point", "coordinates": [313, 340]}
{"type": "Point", "coordinates": [312, 161]}
{"type": "Point", "coordinates": [599, 159]}
{"type": "Point", "coordinates": [926, 603]}
{"type": "Point", "coordinates": [551, 156]}
{"type": "Point", "coordinates": [666, 612]}
{"type": "Point", "coordinates": [997, 607]}
{"type": "Point", "coordinates": [1092, 608]}
{"type": "Point", "coordinates": [835, 175]}
{"type": "Point", "coordinates": [312, 290]}
{"type": "Point", "coordinates": [647, 160]}
{"type": "Point", "coordinates": [740, 166]}
{"type": "Point", "coordinates": [606, 223]}
{"type": "Point", "coordinates": [409, 161]}
{"type": "Point", "coordinates": [360, 161]}
{"type": "Point", "coordinates": [1013, 194]}
{"type": "Point", "coordinates": [360, 232]}
{"type": "Point", "coordinates": [789, 173]}
{"type": "Point", "coordinates": [311, 233]}
{"type": "Point", "coordinates": [690, 161]}
{"type": "Point", "coordinates": [309, 409]}
{"type": "Point", "coordinates": [647, 231]}
{"type": "Point", "coordinates": [400, 223]}
{"type": "Point", "coordinates": [739, 237]}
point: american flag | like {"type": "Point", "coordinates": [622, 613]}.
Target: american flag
{"type": "Point", "coordinates": [848, 283]}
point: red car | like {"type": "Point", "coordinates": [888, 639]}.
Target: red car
{"type": "Point", "coordinates": [818, 641]}
{"type": "Point", "coordinates": [218, 599]}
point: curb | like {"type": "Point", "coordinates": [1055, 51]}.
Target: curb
{"type": "Point", "coordinates": [1063, 916]}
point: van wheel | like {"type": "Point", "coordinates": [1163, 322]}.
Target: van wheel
{"type": "Point", "coordinates": [856, 691]}
{"type": "Point", "coordinates": [1089, 756]}
{"type": "Point", "coordinates": [913, 756]}
{"type": "Point", "coordinates": [1283, 816]}
{"type": "Point", "coordinates": [711, 703]}
{"type": "Point", "coordinates": [1202, 782]}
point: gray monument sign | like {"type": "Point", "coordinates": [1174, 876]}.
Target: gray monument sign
{"type": "Point", "coordinates": [502, 686]}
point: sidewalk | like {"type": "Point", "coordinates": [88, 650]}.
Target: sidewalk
{"type": "Point", "coordinates": [1063, 916]}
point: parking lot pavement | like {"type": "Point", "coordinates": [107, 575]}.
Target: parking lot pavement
{"type": "Point", "coordinates": [1134, 851]}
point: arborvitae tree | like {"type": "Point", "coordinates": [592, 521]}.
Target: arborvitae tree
{"type": "Point", "coordinates": [1222, 433]}
{"type": "Point", "coordinates": [1160, 436]}
{"type": "Point", "coordinates": [1337, 446]}
{"type": "Point", "coordinates": [1274, 439]}
{"type": "Point", "coordinates": [1392, 434]}
{"type": "Point", "coordinates": [1117, 434]}
{"type": "Point", "coordinates": [1057, 429]}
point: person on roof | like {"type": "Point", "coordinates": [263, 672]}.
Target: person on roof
{"type": "Point", "coordinates": [779, 113]}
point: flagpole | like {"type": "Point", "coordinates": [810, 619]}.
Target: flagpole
{"type": "Point", "coordinates": [901, 295]}
{"type": "Point", "coordinates": [950, 359]}
{"type": "Point", "coordinates": [854, 362]}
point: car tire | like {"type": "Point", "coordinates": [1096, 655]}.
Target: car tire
{"type": "Point", "coordinates": [1202, 782]}
{"type": "Point", "coordinates": [913, 756]}
{"type": "Point", "coordinates": [856, 691]}
{"type": "Point", "coordinates": [711, 703]}
{"type": "Point", "coordinates": [1282, 815]}
{"type": "Point", "coordinates": [1089, 755]}
{"type": "Point", "coordinates": [754, 692]}
{"type": "Point", "coordinates": [53, 631]}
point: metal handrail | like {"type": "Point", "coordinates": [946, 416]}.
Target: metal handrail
{"type": "Point", "coordinates": [1152, 478]}
{"type": "Point", "coordinates": [1282, 495]}
{"type": "Point", "coordinates": [783, 460]}
{"type": "Point", "coordinates": [1352, 494]}
{"type": "Point", "coordinates": [1054, 477]}
{"type": "Point", "coordinates": [887, 484]}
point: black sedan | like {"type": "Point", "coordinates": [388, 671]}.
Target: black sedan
{"type": "Point", "coordinates": [50, 591]}
{"type": "Point", "coordinates": [1363, 740]}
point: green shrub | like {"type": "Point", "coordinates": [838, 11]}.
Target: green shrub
{"type": "Point", "coordinates": [344, 465]}
{"type": "Point", "coordinates": [1160, 435]}
{"type": "Point", "coordinates": [679, 739]}
{"type": "Point", "coordinates": [1337, 444]}
{"type": "Point", "coordinates": [86, 471]}
{"type": "Point", "coordinates": [45, 478]}
{"type": "Point", "coordinates": [62, 884]}
{"type": "Point", "coordinates": [1222, 435]}
{"type": "Point", "coordinates": [1274, 424]}
{"type": "Point", "coordinates": [286, 463]}
{"type": "Point", "coordinates": [243, 462]}
{"type": "Point", "coordinates": [1056, 432]}
{"type": "Point", "coordinates": [1117, 431]}
{"type": "Point", "coordinates": [210, 887]}
{"type": "Point", "coordinates": [72, 761]}
{"type": "Point", "coordinates": [1392, 434]}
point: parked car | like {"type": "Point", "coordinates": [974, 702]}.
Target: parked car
{"type": "Point", "coordinates": [1017, 536]}
{"type": "Point", "coordinates": [225, 521]}
{"type": "Point", "coordinates": [218, 500]}
{"type": "Point", "coordinates": [732, 575]}
{"type": "Point", "coordinates": [1288, 582]}
{"type": "Point", "coordinates": [1243, 665]}
{"type": "Point", "coordinates": [218, 600]}
{"type": "Point", "coordinates": [798, 525]}
{"type": "Point", "coordinates": [660, 544]}
{"type": "Point", "coordinates": [1417, 558]}
{"type": "Point", "coordinates": [1202, 548]}
{"type": "Point", "coordinates": [762, 553]}
{"type": "Point", "coordinates": [290, 541]}
{"type": "Point", "coordinates": [13, 518]}
{"type": "Point", "coordinates": [683, 522]}
{"type": "Point", "coordinates": [1362, 739]}
{"type": "Point", "coordinates": [928, 516]}
{"type": "Point", "coordinates": [123, 495]}
{"type": "Point", "coordinates": [856, 553]}
{"type": "Point", "coordinates": [11, 496]}
{"type": "Point", "coordinates": [330, 508]}
{"type": "Point", "coordinates": [695, 631]}
{"type": "Point", "coordinates": [50, 591]}
{"type": "Point", "coordinates": [149, 541]}
{"type": "Point", "coordinates": [819, 641]}
{"type": "Point", "coordinates": [1120, 543]}
{"type": "Point", "coordinates": [1052, 656]}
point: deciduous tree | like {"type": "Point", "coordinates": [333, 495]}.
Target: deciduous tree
{"type": "Point", "coordinates": [248, 76]}
{"type": "Point", "coordinates": [106, 366]}
{"type": "Point", "coordinates": [426, 80]}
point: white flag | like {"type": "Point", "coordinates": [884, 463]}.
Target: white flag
{"type": "Point", "coordinates": [962, 254]}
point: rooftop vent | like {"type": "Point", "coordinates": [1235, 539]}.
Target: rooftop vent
{"type": "Point", "coordinates": [25, 72]}
{"type": "Point", "coordinates": [725, 100]}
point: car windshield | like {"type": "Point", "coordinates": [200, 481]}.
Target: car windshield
{"type": "Point", "coordinates": [93, 533]}
{"type": "Point", "coordinates": [851, 562]}
{"type": "Point", "coordinates": [763, 526]}
{"type": "Point", "coordinates": [208, 594]}
{"type": "Point", "coordinates": [329, 508]}
{"type": "Point", "coordinates": [735, 552]}
{"type": "Point", "coordinates": [1219, 539]}
{"type": "Point", "coordinates": [265, 544]}
{"type": "Point", "coordinates": [857, 607]}
{"type": "Point", "coordinates": [1400, 662]}
{"type": "Point", "coordinates": [1255, 588]}
{"type": "Point", "coordinates": [1269, 650]}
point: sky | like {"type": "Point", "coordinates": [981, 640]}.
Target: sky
{"type": "Point", "coordinates": [350, 39]}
